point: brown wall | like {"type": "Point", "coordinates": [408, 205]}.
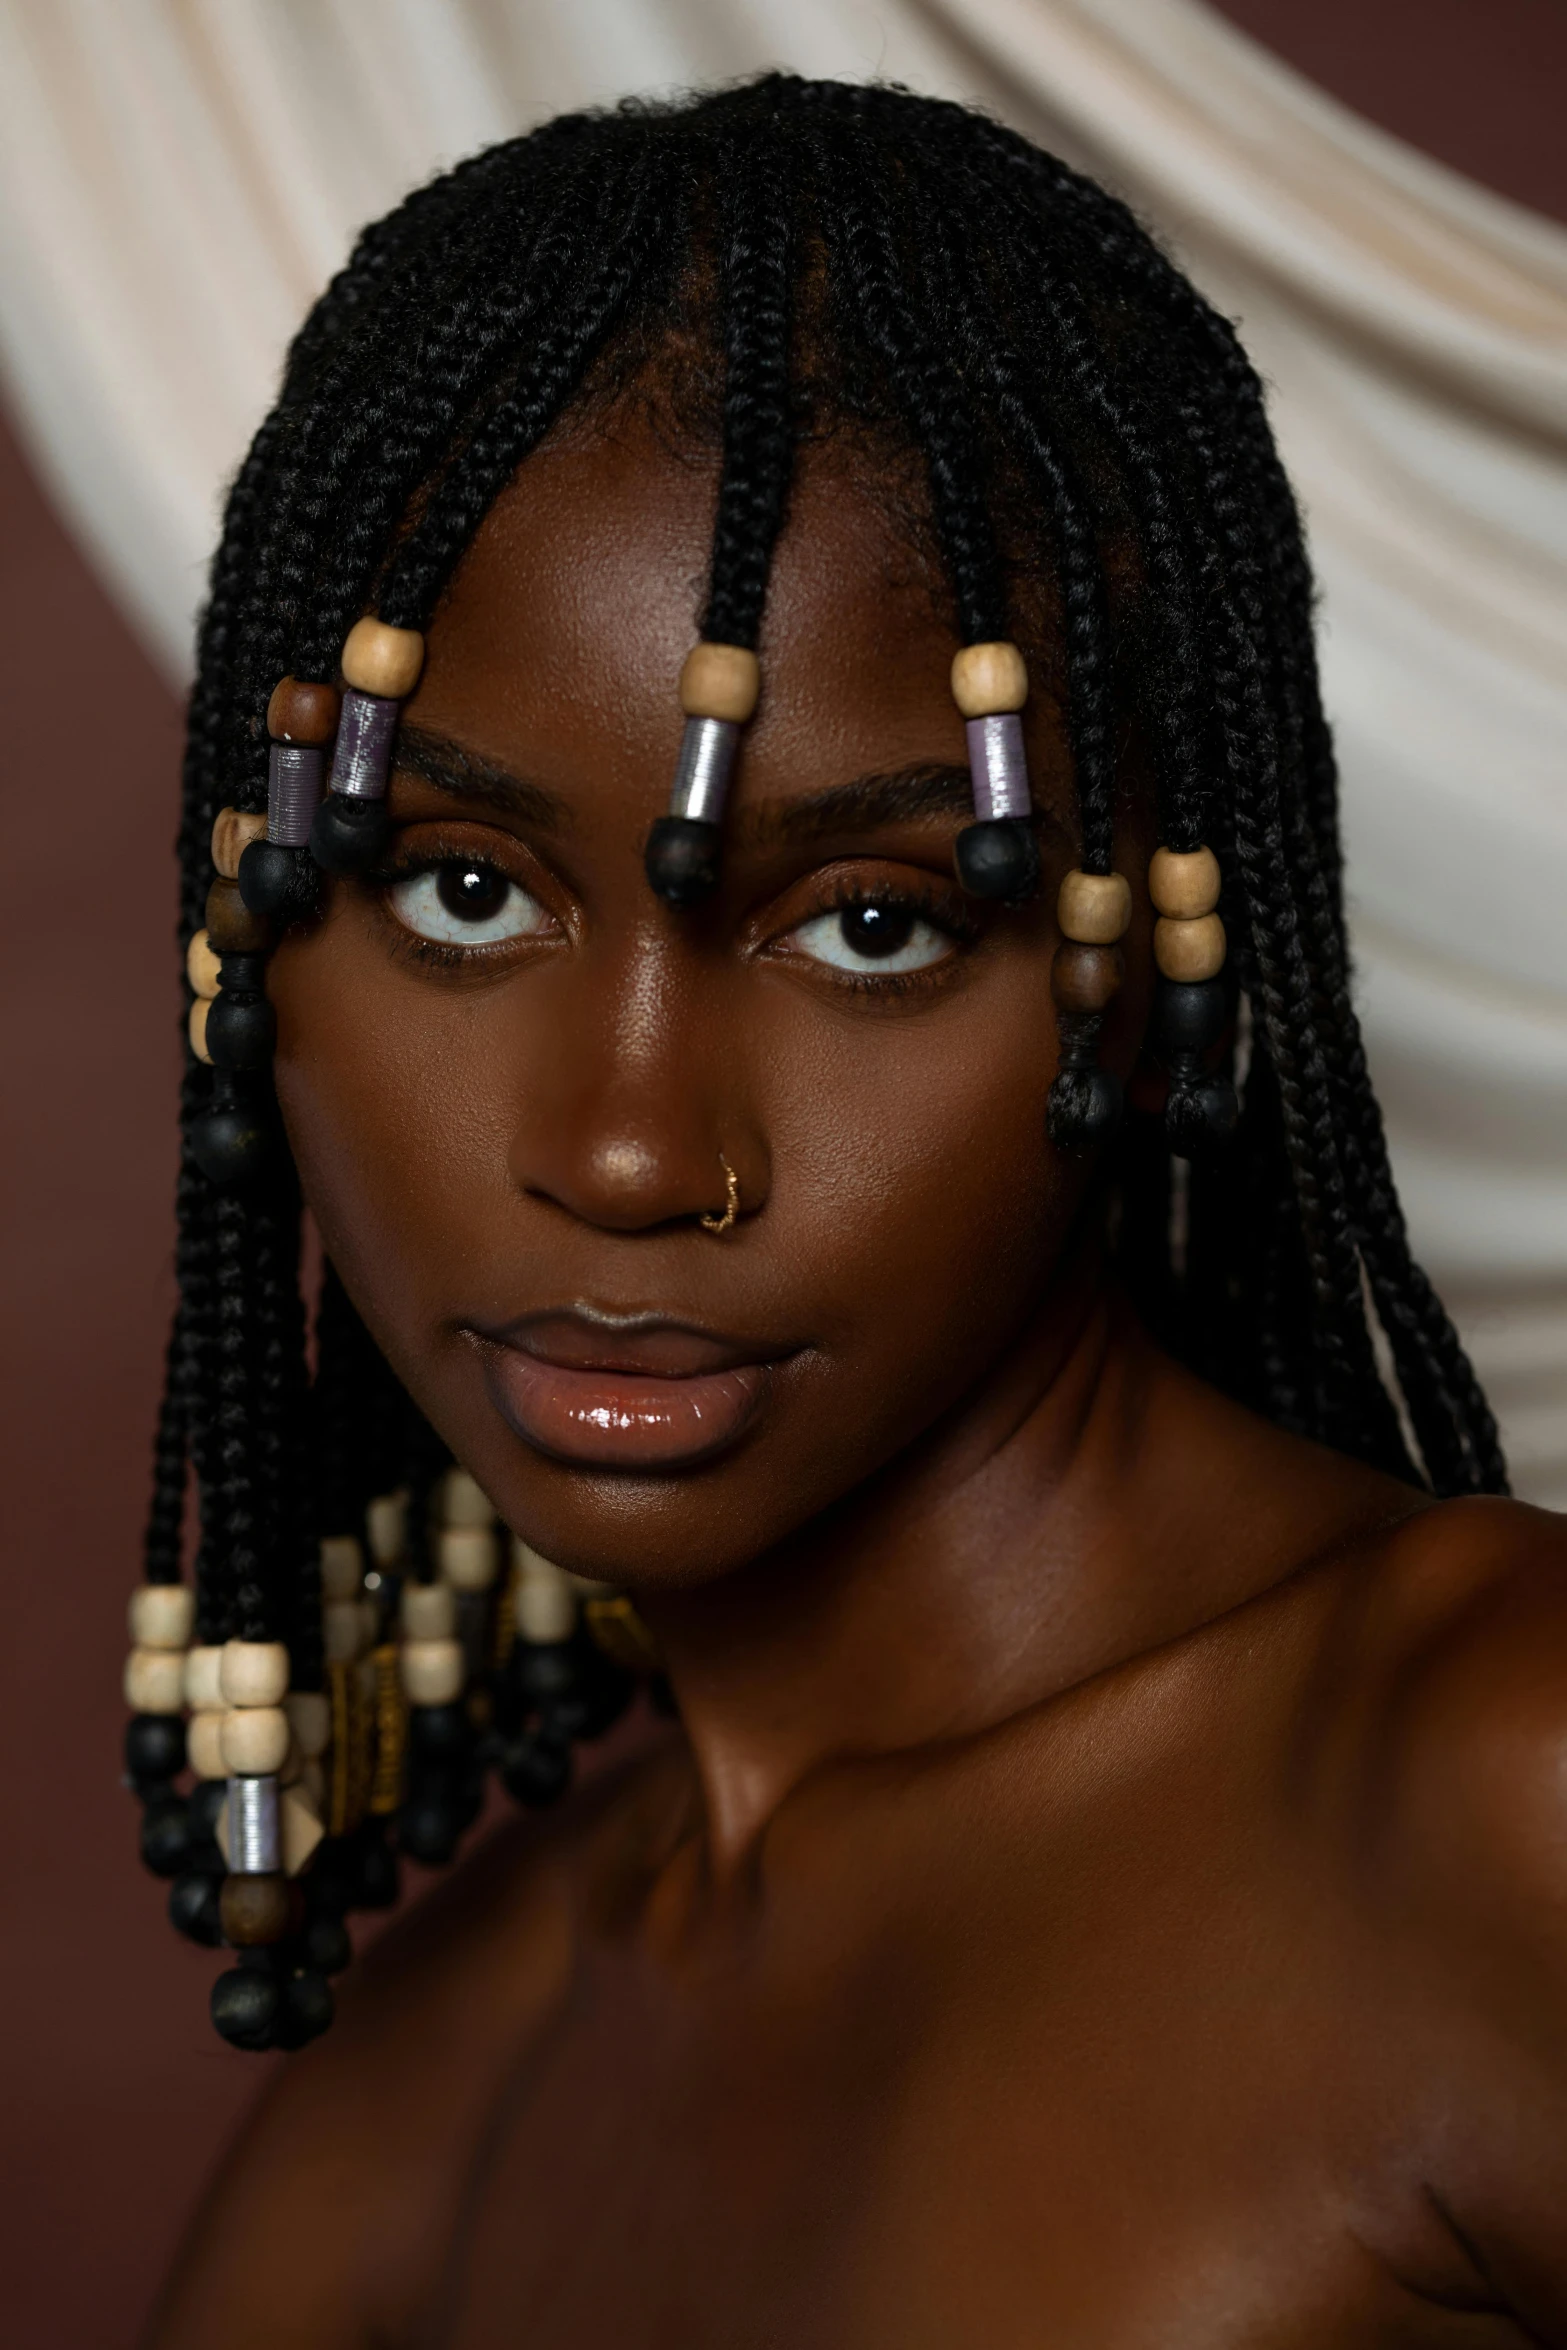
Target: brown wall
{"type": "Point", "coordinates": [114, 2093]}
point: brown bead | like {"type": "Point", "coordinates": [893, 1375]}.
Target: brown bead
{"type": "Point", "coordinates": [1189, 950]}
{"type": "Point", "coordinates": [254, 1909]}
{"type": "Point", "coordinates": [232, 835]}
{"type": "Point", "coordinates": [720, 681]}
{"type": "Point", "coordinates": [232, 929]}
{"type": "Point", "coordinates": [989, 680]}
{"type": "Point", "coordinates": [1184, 885]}
{"type": "Point", "coordinates": [1094, 908]}
{"type": "Point", "coordinates": [300, 713]}
{"type": "Point", "coordinates": [1086, 979]}
{"type": "Point", "coordinates": [378, 659]}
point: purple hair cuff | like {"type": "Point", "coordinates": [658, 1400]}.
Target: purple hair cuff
{"type": "Point", "coordinates": [293, 793]}
{"type": "Point", "coordinates": [362, 758]}
{"type": "Point", "coordinates": [999, 766]}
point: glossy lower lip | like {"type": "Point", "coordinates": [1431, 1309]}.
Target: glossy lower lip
{"type": "Point", "coordinates": [620, 1418]}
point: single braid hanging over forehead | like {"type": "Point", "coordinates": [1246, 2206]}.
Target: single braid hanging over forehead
{"type": "Point", "coordinates": [1095, 446]}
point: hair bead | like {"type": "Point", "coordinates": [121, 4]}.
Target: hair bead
{"type": "Point", "coordinates": [433, 1671]}
{"type": "Point", "coordinates": [204, 1744]}
{"type": "Point", "coordinates": [988, 680]}
{"type": "Point", "coordinates": [719, 688]}
{"type": "Point", "coordinates": [381, 667]}
{"type": "Point", "coordinates": [380, 660]}
{"type": "Point", "coordinates": [253, 1672]}
{"type": "Point", "coordinates": [1086, 978]}
{"type": "Point", "coordinates": [233, 831]}
{"type": "Point", "coordinates": [201, 966]}
{"type": "Point", "coordinates": [251, 1824]}
{"type": "Point", "coordinates": [1184, 885]}
{"type": "Point", "coordinates": [162, 1615]}
{"type": "Point", "coordinates": [254, 1910]}
{"type": "Point", "coordinates": [196, 1029]}
{"type": "Point", "coordinates": [155, 1681]}
{"type": "Point", "coordinates": [204, 1677]}
{"type": "Point", "coordinates": [1189, 950]}
{"type": "Point", "coordinates": [254, 1740]}
{"type": "Point", "coordinates": [996, 856]}
{"type": "Point", "coordinates": [299, 712]}
{"type": "Point", "coordinates": [468, 1557]}
{"type": "Point", "coordinates": [1094, 909]}
{"type": "Point", "coordinates": [232, 929]}
{"type": "Point", "coordinates": [429, 1611]}
{"type": "Point", "coordinates": [720, 681]}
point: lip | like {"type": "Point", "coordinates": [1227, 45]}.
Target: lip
{"type": "Point", "coordinates": [622, 1391]}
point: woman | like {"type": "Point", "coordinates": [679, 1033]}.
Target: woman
{"type": "Point", "coordinates": [1104, 1884]}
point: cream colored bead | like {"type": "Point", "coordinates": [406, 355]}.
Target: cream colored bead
{"type": "Point", "coordinates": [201, 966]}
{"type": "Point", "coordinates": [720, 681]}
{"type": "Point", "coordinates": [204, 1745]}
{"type": "Point", "coordinates": [432, 1671]}
{"type": "Point", "coordinates": [342, 1567]}
{"type": "Point", "coordinates": [232, 835]}
{"type": "Point", "coordinates": [254, 1740]}
{"type": "Point", "coordinates": [464, 1501]}
{"type": "Point", "coordinates": [162, 1615]}
{"type": "Point", "coordinates": [310, 1718]}
{"type": "Point", "coordinates": [429, 1611]}
{"type": "Point", "coordinates": [299, 1826]}
{"type": "Point", "coordinates": [204, 1679]}
{"type": "Point", "coordinates": [155, 1681]}
{"type": "Point", "coordinates": [312, 1784]}
{"type": "Point", "coordinates": [1094, 908]}
{"type": "Point", "coordinates": [988, 680]}
{"type": "Point", "coordinates": [543, 1600]}
{"type": "Point", "coordinates": [342, 1631]}
{"type": "Point", "coordinates": [469, 1557]}
{"type": "Point", "coordinates": [386, 1523]}
{"type": "Point", "coordinates": [196, 1029]}
{"type": "Point", "coordinates": [1184, 884]}
{"type": "Point", "coordinates": [381, 660]}
{"type": "Point", "coordinates": [1189, 950]}
{"type": "Point", "coordinates": [254, 1672]}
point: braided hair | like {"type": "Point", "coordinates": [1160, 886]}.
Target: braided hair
{"type": "Point", "coordinates": [1090, 433]}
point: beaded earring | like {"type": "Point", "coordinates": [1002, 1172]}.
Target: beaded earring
{"type": "Point", "coordinates": [996, 856]}
{"type": "Point", "coordinates": [719, 689]}
{"type": "Point", "coordinates": [1189, 949]}
{"type": "Point", "coordinates": [380, 667]}
{"type": "Point", "coordinates": [1093, 911]}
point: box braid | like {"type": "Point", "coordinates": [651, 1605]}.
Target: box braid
{"type": "Point", "coordinates": [1094, 443]}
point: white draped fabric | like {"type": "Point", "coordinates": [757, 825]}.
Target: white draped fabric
{"type": "Point", "coordinates": [179, 177]}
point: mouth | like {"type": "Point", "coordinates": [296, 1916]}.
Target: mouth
{"type": "Point", "coordinates": [623, 1391]}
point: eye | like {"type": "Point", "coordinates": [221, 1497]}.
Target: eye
{"type": "Point", "coordinates": [874, 935]}
{"type": "Point", "coordinates": [465, 903]}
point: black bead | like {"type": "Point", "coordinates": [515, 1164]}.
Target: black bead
{"type": "Point", "coordinates": [154, 1748]}
{"type": "Point", "coordinates": [165, 1841]}
{"type": "Point", "coordinates": [545, 1671]}
{"type": "Point", "coordinates": [325, 1945]}
{"type": "Point", "coordinates": [439, 1734]}
{"type": "Point", "coordinates": [998, 858]}
{"type": "Point", "coordinates": [241, 1029]}
{"type": "Point", "coordinates": [1085, 1107]}
{"type": "Point", "coordinates": [348, 834]}
{"type": "Point", "coordinates": [428, 1827]}
{"type": "Point", "coordinates": [1189, 1018]}
{"type": "Point", "coordinates": [1202, 1117]}
{"type": "Point", "coordinates": [247, 2004]}
{"type": "Point", "coordinates": [536, 1770]}
{"type": "Point", "coordinates": [193, 1908]}
{"type": "Point", "coordinates": [682, 859]}
{"type": "Point", "coordinates": [307, 2008]}
{"type": "Point", "coordinates": [330, 1879]}
{"type": "Point", "coordinates": [281, 882]}
{"type": "Point", "coordinates": [205, 1806]}
{"type": "Point", "coordinates": [229, 1143]}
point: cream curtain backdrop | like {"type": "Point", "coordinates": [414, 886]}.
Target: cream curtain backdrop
{"type": "Point", "coordinates": [179, 177]}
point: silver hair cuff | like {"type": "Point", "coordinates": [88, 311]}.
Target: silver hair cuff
{"type": "Point", "coordinates": [255, 1845]}
{"type": "Point", "coordinates": [293, 793]}
{"type": "Point", "coordinates": [363, 753]}
{"type": "Point", "coordinates": [707, 758]}
{"type": "Point", "coordinates": [998, 765]}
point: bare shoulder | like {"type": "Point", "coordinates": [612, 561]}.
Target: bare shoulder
{"type": "Point", "coordinates": [328, 2222]}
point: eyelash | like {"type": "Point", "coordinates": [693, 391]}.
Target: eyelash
{"type": "Point", "coordinates": [433, 954]}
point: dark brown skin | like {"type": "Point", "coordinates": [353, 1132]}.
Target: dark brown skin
{"type": "Point", "coordinates": [1109, 1886]}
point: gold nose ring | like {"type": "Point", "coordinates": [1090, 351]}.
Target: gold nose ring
{"type": "Point", "coordinates": [712, 1223]}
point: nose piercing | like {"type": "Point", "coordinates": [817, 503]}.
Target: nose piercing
{"type": "Point", "coordinates": [712, 1223]}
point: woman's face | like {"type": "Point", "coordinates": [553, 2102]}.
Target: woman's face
{"type": "Point", "coordinates": [511, 1075]}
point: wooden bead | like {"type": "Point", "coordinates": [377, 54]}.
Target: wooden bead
{"type": "Point", "coordinates": [720, 681]}
{"type": "Point", "coordinates": [381, 660]}
{"type": "Point", "coordinates": [162, 1616]}
{"type": "Point", "coordinates": [204, 1678]}
{"type": "Point", "coordinates": [988, 680]}
{"type": "Point", "coordinates": [544, 1604]}
{"type": "Point", "coordinates": [1184, 885]}
{"type": "Point", "coordinates": [201, 966]}
{"type": "Point", "coordinates": [196, 1029]}
{"type": "Point", "coordinates": [1189, 950]}
{"type": "Point", "coordinates": [432, 1671]}
{"type": "Point", "coordinates": [155, 1681]}
{"type": "Point", "coordinates": [386, 1523]}
{"type": "Point", "coordinates": [254, 1910]}
{"type": "Point", "coordinates": [429, 1611]}
{"type": "Point", "coordinates": [342, 1631]}
{"type": "Point", "coordinates": [255, 1740]}
{"type": "Point", "coordinates": [204, 1744]}
{"type": "Point", "coordinates": [342, 1567]}
{"type": "Point", "coordinates": [232, 929]}
{"type": "Point", "coordinates": [300, 713]}
{"type": "Point", "coordinates": [309, 1714]}
{"type": "Point", "coordinates": [464, 1501]}
{"type": "Point", "coordinates": [299, 1822]}
{"type": "Point", "coordinates": [1086, 979]}
{"type": "Point", "coordinates": [232, 835]}
{"type": "Point", "coordinates": [1094, 908]}
{"type": "Point", "coordinates": [468, 1557]}
{"type": "Point", "coordinates": [254, 1672]}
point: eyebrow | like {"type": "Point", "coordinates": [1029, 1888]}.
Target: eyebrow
{"type": "Point", "coordinates": [446, 766]}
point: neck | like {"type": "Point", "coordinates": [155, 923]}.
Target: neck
{"type": "Point", "coordinates": [969, 1580]}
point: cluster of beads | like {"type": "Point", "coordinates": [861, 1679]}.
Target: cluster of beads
{"type": "Point", "coordinates": [1189, 948]}
{"type": "Point", "coordinates": [719, 689]}
{"type": "Point", "coordinates": [277, 876]}
{"type": "Point", "coordinates": [996, 856]}
{"type": "Point", "coordinates": [380, 667]}
{"type": "Point", "coordinates": [1093, 911]}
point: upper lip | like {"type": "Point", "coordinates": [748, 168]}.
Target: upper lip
{"type": "Point", "coordinates": [634, 1345]}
